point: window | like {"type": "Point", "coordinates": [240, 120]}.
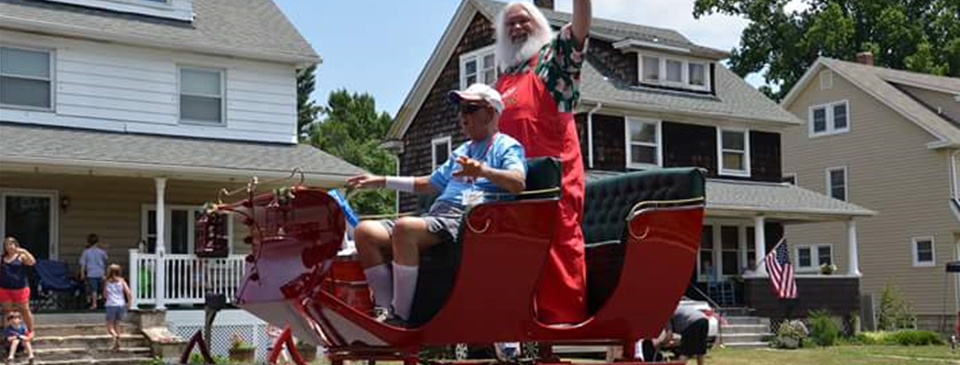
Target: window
{"type": "Point", "coordinates": [643, 143]}
{"type": "Point", "coordinates": [832, 118]}
{"type": "Point", "coordinates": [729, 250]}
{"type": "Point", "coordinates": [734, 145]}
{"type": "Point", "coordinates": [478, 66]}
{"type": "Point", "coordinates": [698, 74]}
{"type": "Point", "coordinates": [441, 151]}
{"type": "Point", "coordinates": [179, 234]}
{"type": "Point", "coordinates": [674, 72]}
{"type": "Point", "coordinates": [923, 251]}
{"type": "Point", "coordinates": [810, 257]}
{"type": "Point", "coordinates": [751, 248]}
{"type": "Point", "coordinates": [25, 78]}
{"type": "Point", "coordinates": [707, 271]}
{"type": "Point", "coordinates": [837, 183]}
{"type": "Point", "coordinates": [651, 69]}
{"type": "Point", "coordinates": [201, 95]}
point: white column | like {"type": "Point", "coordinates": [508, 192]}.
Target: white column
{"type": "Point", "coordinates": [134, 266]}
{"type": "Point", "coordinates": [760, 243]}
{"type": "Point", "coordinates": [853, 259]}
{"type": "Point", "coordinates": [160, 281]}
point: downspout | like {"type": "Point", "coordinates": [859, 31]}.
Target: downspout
{"type": "Point", "coordinates": [590, 133]}
{"type": "Point", "coordinates": [955, 191]}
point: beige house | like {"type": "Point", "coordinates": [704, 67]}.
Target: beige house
{"type": "Point", "coordinates": [888, 140]}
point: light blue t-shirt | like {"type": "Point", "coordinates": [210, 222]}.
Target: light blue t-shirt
{"type": "Point", "coordinates": [94, 260]}
{"type": "Point", "coordinates": [505, 153]}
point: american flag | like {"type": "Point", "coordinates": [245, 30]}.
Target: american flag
{"type": "Point", "coordinates": [781, 272]}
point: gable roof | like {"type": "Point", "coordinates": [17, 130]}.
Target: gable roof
{"type": "Point", "coordinates": [735, 99]}
{"type": "Point", "coordinates": [879, 82]}
{"type": "Point", "coordinates": [141, 153]}
{"type": "Point", "coordinates": [254, 29]}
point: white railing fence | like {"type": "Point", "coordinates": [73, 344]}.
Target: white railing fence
{"type": "Point", "coordinates": [182, 279]}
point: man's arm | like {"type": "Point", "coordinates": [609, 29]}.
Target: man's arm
{"type": "Point", "coordinates": [421, 184]}
{"type": "Point", "coordinates": [582, 15]}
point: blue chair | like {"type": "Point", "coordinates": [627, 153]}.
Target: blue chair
{"type": "Point", "coordinates": [56, 289]}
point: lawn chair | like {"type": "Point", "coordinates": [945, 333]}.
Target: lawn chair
{"type": "Point", "coordinates": [55, 288]}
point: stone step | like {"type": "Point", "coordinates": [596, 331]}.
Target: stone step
{"type": "Point", "coordinates": [744, 328]}
{"type": "Point", "coordinates": [75, 353]}
{"type": "Point", "coordinates": [747, 320]}
{"type": "Point", "coordinates": [735, 311]}
{"type": "Point", "coordinates": [744, 338]}
{"type": "Point", "coordinates": [81, 329]}
{"type": "Point", "coordinates": [89, 341]}
{"type": "Point", "coordinates": [128, 360]}
{"type": "Point", "coordinates": [747, 345]}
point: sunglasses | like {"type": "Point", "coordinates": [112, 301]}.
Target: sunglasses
{"type": "Point", "coordinates": [470, 108]}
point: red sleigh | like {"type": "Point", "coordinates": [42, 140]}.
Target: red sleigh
{"type": "Point", "coordinates": [643, 232]}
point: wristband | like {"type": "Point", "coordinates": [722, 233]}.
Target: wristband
{"type": "Point", "coordinates": [400, 183]}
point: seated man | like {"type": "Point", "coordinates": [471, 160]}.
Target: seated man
{"type": "Point", "coordinates": [489, 162]}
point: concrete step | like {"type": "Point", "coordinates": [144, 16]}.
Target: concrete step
{"type": "Point", "coordinates": [744, 328]}
{"type": "Point", "coordinates": [89, 341]}
{"type": "Point", "coordinates": [129, 360]}
{"type": "Point", "coordinates": [747, 320]}
{"type": "Point", "coordinates": [96, 328]}
{"type": "Point", "coordinates": [747, 345]}
{"type": "Point", "coordinates": [73, 353]}
{"type": "Point", "coordinates": [735, 311]}
{"type": "Point", "coordinates": [745, 337]}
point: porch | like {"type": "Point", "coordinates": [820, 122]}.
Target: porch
{"type": "Point", "coordinates": [159, 280]}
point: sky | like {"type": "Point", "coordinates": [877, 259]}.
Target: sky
{"type": "Point", "coordinates": [380, 47]}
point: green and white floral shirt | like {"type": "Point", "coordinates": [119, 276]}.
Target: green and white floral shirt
{"type": "Point", "coordinates": [559, 64]}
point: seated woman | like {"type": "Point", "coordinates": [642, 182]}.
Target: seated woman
{"type": "Point", "coordinates": [490, 162]}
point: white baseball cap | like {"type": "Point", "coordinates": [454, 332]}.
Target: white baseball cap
{"type": "Point", "coordinates": [478, 92]}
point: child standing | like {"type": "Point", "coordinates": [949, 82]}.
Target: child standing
{"type": "Point", "coordinates": [92, 264]}
{"type": "Point", "coordinates": [118, 300]}
{"type": "Point", "coordinates": [15, 333]}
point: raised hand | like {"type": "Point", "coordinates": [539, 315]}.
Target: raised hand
{"type": "Point", "coordinates": [469, 167]}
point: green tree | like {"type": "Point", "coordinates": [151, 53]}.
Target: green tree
{"type": "Point", "coordinates": [307, 109]}
{"type": "Point", "coordinates": [352, 130]}
{"type": "Point", "coordinates": [916, 35]}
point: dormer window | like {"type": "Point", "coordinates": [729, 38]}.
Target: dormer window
{"type": "Point", "coordinates": [673, 71]}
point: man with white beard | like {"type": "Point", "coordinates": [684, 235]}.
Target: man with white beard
{"type": "Point", "coordinates": [539, 82]}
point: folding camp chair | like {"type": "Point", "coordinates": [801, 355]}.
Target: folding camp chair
{"type": "Point", "coordinates": [55, 288]}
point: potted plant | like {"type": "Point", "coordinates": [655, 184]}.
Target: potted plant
{"type": "Point", "coordinates": [791, 334]}
{"type": "Point", "coordinates": [308, 351]}
{"type": "Point", "coordinates": [828, 269]}
{"type": "Point", "coordinates": [241, 351]}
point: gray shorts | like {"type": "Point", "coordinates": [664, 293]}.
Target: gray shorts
{"type": "Point", "coordinates": [116, 313]}
{"type": "Point", "coordinates": [443, 220]}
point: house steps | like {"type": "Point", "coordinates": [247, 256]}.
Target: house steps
{"type": "Point", "coordinates": [745, 331]}
{"type": "Point", "coordinates": [86, 341]}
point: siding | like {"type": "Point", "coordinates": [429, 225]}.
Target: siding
{"type": "Point", "coordinates": [111, 208]}
{"type": "Point", "coordinates": [131, 89]}
{"type": "Point", "coordinates": [890, 170]}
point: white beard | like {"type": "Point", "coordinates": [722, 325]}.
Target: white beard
{"type": "Point", "coordinates": [510, 54]}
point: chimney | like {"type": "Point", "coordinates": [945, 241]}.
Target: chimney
{"type": "Point", "coordinates": [865, 58]}
{"type": "Point", "coordinates": [544, 4]}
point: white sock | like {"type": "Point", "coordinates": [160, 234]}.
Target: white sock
{"type": "Point", "coordinates": [379, 279]}
{"type": "Point", "coordinates": [404, 286]}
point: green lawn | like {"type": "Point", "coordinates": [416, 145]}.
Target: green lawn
{"type": "Point", "coordinates": [839, 355]}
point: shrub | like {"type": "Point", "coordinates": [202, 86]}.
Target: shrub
{"type": "Point", "coordinates": [196, 358]}
{"type": "Point", "coordinates": [824, 331]}
{"type": "Point", "coordinates": [903, 338]}
{"type": "Point", "coordinates": [895, 313]}
{"type": "Point", "coordinates": [791, 334]}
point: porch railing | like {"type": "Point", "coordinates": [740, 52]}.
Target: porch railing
{"type": "Point", "coordinates": [182, 279]}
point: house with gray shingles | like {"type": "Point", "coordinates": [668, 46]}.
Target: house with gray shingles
{"type": "Point", "coordinates": [122, 117]}
{"type": "Point", "coordinates": [889, 140]}
{"type": "Point", "coordinates": [652, 98]}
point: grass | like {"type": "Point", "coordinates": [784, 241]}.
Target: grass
{"type": "Point", "coordinates": [838, 355]}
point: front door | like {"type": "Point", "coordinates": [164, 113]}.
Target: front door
{"type": "Point", "coordinates": [31, 218]}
